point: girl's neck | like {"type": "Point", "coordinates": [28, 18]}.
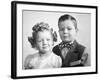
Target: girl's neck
{"type": "Point", "coordinates": [45, 54]}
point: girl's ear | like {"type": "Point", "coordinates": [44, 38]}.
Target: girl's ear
{"type": "Point", "coordinates": [53, 43]}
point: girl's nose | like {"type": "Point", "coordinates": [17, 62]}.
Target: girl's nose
{"type": "Point", "coordinates": [44, 42]}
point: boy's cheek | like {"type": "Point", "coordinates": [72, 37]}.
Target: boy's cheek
{"type": "Point", "coordinates": [61, 34]}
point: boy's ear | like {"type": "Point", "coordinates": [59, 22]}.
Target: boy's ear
{"type": "Point", "coordinates": [77, 30]}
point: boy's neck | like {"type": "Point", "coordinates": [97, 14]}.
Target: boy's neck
{"type": "Point", "coordinates": [69, 41]}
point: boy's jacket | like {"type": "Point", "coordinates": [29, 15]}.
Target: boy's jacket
{"type": "Point", "coordinates": [73, 56]}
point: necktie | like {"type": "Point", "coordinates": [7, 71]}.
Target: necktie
{"type": "Point", "coordinates": [65, 45]}
{"type": "Point", "coordinates": [64, 52]}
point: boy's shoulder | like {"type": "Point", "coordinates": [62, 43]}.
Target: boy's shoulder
{"type": "Point", "coordinates": [56, 50]}
{"type": "Point", "coordinates": [79, 46]}
{"type": "Point", "coordinates": [56, 47]}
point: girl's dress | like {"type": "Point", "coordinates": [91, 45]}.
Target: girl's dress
{"type": "Point", "coordinates": [36, 61]}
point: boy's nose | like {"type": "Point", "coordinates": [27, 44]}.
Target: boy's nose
{"type": "Point", "coordinates": [65, 31]}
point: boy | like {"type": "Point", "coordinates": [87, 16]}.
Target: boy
{"type": "Point", "coordinates": [71, 52]}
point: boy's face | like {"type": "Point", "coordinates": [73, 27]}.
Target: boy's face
{"type": "Point", "coordinates": [44, 41]}
{"type": "Point", "coordinates": [67, 30]}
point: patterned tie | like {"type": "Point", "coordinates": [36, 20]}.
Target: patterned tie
{"type": "Point", "coordinates": [65, 45]}
{"type": "Point", "coordinates": [64, 52]}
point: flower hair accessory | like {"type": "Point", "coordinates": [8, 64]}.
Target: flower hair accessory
{"type": "Point", "coordinates": [40, 26]}
{"type": "Point", "coordinates": [55, 36]}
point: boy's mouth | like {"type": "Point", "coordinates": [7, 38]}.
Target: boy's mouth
{"type": "Point", "coordinates": [45, 47]}
{"type": "Point", "coordinates": [66, 36]}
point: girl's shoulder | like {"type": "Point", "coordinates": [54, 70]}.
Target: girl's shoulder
{"type": "Point", "coordinates": [55, 56]}
{"type": "Point", "coordinates": [28, 59]}
{"type": "Point", "coordinates": [56, 60]}
{"type": "Point", "coordinates": [31, 56]}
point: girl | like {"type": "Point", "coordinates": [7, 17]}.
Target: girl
{"type": "Point", "coordinates": [43, 40]}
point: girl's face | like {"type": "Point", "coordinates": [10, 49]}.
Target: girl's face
{"type": "Point", "coordinates": [67, 31]}
{"type": "Point", "coordinates": [44, 41]}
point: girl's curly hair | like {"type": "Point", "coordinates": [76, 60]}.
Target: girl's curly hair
{"type": "Point", "coordinates": [40, 27]}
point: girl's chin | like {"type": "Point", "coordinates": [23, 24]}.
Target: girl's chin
{"type": "Point", "coordinates": [45, 51]}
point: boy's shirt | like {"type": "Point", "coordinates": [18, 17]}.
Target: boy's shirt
{"type": "Point", "coordinates": [73, 55]}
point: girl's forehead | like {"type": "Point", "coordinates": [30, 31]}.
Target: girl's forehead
{"type": "Point", "coordinates": [44, 33]}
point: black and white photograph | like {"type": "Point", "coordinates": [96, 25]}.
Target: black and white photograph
{"type": "Point", "coordinates": [53, 39]}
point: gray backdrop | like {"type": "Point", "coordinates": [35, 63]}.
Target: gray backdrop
{"type": "Point", "coordinates": [30, 18]}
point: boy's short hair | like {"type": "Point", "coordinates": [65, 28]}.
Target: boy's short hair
{"type": "Point", "coordinates": [68, 17]}
{"type": "Point", "coordinates": [40, 27]}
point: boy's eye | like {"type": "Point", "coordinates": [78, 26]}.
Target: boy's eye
{"type": "Point", "coordinates": [39, 40]}
{"type": "Point", "coordinates": [69, 28]}
{"type": "Point", "coordinates": [62, 29]}
{"type": "Point", "coordinates": [48, 39]}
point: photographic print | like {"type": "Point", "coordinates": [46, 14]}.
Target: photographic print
{"type": "Point", "coordinates": [53, 39]}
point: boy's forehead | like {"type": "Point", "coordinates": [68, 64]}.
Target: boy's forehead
{"type": "Point", "coordinates": [66, 23]}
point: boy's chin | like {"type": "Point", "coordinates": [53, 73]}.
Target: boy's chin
{"type": "Point", "coordinates": [67, 40]}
